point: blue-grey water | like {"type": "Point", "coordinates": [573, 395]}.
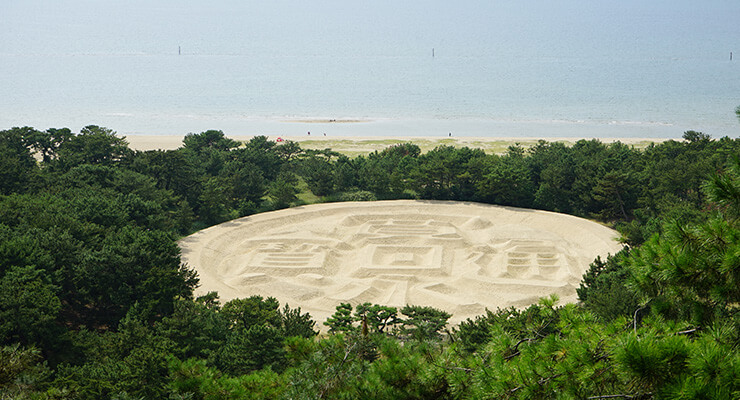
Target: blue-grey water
{"type": "Point", "coordinates": [596, 68]}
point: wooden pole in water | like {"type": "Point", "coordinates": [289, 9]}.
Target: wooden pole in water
{"type": "Point", "coordinates": [730, 56]}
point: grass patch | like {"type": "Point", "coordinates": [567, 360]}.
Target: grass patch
{"type": "Point", "coordinates": [304, 195]}
{"type": "Point", "coordinates": [363, 147]}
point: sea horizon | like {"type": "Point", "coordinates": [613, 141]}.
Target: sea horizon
{"type": "Point", "coordinates": [414, 69]}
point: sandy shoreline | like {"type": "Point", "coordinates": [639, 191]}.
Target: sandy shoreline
{"type": "Point", "coordinates": [366, 144]}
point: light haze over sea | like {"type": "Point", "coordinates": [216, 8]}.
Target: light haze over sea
{"type": "Point", "coordinates": [523, 68]}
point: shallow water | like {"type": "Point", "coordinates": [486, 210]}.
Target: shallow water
{"type": "Point", "coordinates": [527, 68]}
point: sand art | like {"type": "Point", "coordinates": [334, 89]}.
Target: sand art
{"type": "Point", "coordinates": [459, 257]}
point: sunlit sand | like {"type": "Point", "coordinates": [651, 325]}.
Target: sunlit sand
{"type": "Point", "coordinates": [357, 145]}
{"type": "Point", "coordinates": [456, 256]}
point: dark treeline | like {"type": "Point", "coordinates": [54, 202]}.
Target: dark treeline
{"type": "Point", "coordinates": [95, 302]}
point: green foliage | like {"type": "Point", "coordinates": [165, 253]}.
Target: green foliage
{"type": "Point", "coordinates": [693, 137]}
{"type": "Point", "coordinates": [328, 370]}
{"type": "Point", "coordinates": [193, 379]}
{"type": "Point", "coordinates": [508, 182]}
{"type": "Point", "coordinates": [262, 153]}
{"type": "Point", "coordinates": [402, 372]}
{"type": "Point", "coordinates": [378, 318]}
{"type": "Point", "coordinates": [420, 322]}
{"type": "Point", "coordinates": [94, 145]}
{"type": "Point", "coordinates": [211, 139]}
{"type": "Point", "coordinates": [399, 151]}
{"type": "Point", "coordinates": [212, 203]}
{"type": "Point", "coordinates": [113, 197]}
{"type": "Point", "coordinates": [173, 170]}
{"type": "Point", "coordinates": [346, 173]}
{"type": "Point", "coordinates": [341, 320]}
{"type": "Point", "coordinates": [536, 320]}
{"type": "Point", "coordinates": [90, 274]}
{"type": "Point", "coordinates": [252, 348]}
{"type": "Point", "coordinates": [129, 362]}
{"type": "Point", "coordinates": [441, 174]}
{"type": "Point", "coordinates": [423, 322]}
{"type": "Point", "coordinates": [102, 266]}
{"type": "Point", "coordinates": [614, 195]}
{"type": "Point", "coordinates": [132, 266]}
{"type": "Point", "coordinates": [723, 189]}
{"type": "Point", "coordinates": [17, 166]}
{"type": "Point", "coordinates": [282, 191]}
{"type": "Point", "coordinates": [554, 165]}
{"type": "Point", "coordinates": [577, 356]}
{"type": "Point", "coordinates": [254, 310]}
{"type": "Point", "coordinates": [651, 361]}
{"type": "Point", "coordinates": [295, 324]}
{"type": "Point", "coordinates": [47, 143]}
{"type": "Point", "coordinates": [314, 171]}
{"type": "Point", "coordinates": [29, 307]}
{"type": "Point", "coordinates": [245, 183]}
{"type": "Point", "coordinates": [694, 268]}
{"type": "Point", "coordinates": [257, 331]}
{"type": "Point", "coordinates": [387, 173]}
{"type": "Point", "coordinates": [359, 195]}
{"type": "Point", "coordinates": [288, 150]}
{"type": "Point", "coordinates": [22, 373]}
{"type": "Point", "coordinates": [196, 328]}
{"type": "Point", "coordinates": [604, 289]}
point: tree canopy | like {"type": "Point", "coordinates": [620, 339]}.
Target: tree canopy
{"type": "Point", "coordinates": [95, 302]}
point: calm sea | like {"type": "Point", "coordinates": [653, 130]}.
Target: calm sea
{"type": "Point", "coordinates": [472, 68]}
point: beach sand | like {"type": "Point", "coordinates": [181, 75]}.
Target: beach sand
{"type": "Point", "coordinates": [461, 257]}
{"type": "Point", "coordinates": [357, 145]}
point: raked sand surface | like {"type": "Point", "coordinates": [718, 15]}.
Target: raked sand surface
{"type": "Point", "coordinates": [457, 256]}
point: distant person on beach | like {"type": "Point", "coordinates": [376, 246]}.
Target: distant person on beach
{"type": "Point", "coordinates": [450, 134]}
{"type": "Point", "coordinates": [309, 133]}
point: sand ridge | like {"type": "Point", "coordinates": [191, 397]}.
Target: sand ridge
{"type": "Point", "coordinates": [457, 256]}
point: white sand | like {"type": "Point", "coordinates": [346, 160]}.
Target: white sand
{"type": "Point", "coordinates": [459, 257]}
{"type": "Point", "coordinates": [171, 142]}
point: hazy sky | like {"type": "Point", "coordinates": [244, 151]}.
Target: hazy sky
{"type": "Point", "coordinates": [548, 28]}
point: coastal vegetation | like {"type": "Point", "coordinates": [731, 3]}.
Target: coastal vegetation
{"type": "Point", "coordinates": [363, 146]}
{"type": "Point", "coordinates": [96, 304]}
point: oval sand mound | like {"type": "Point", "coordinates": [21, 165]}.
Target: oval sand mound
{"type": "Point", "coordinates": [459, 257]}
